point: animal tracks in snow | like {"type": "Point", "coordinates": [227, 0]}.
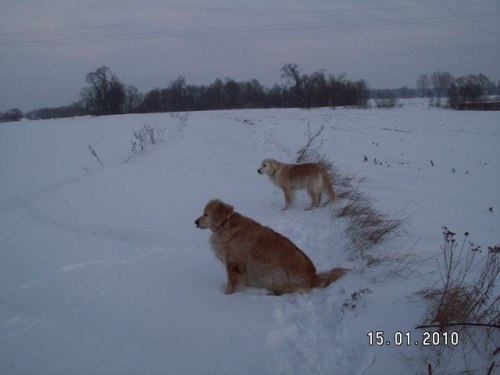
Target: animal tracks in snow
{"type": "Point", "coordinates": [309, 338]}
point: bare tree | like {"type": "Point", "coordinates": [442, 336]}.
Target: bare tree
{"type": "Point", "coordinates": [291, 74]}
{"type": "Point", "coordinates": [105, 94]}
{"type": "Point", "coordinates": [133, 99]}
{"type": "Point", "coordinates": [253, 94]}
{"type": "Point", "coordinates": [13, 114]}
{"type": "Point", "coordinates": [316, 89]}
{"type": "Point", "coordinates": [473, 88]}
{"type": "Point", "coordinates": [177, 94]}
{"type": "Point", "coordinates": [117, 96]}
{"type": "Point", "coordinates": [232, 92]}
{"type": "Point", "coordinates": [336, 85]}
{"type": "Point", "coordinates": [423, 84]}
{"type": "Point", "coordinates": [441, 82]}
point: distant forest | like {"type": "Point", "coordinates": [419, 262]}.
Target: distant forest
{"type": "Point", "coordinates": [105, 94]}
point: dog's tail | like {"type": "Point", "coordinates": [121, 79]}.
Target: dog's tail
{"type": "Point", "coordinates": [328, 187]}
{"type": "Point", "coordinates": [324, 279]}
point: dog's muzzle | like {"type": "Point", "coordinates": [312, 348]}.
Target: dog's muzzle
{"type": "Point", "coordinates": [259, 171]}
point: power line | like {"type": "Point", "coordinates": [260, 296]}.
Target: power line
{"type": "Point", "coordinates": [243, 16]}
{"type": "Point", "coordinates": [257, 28]}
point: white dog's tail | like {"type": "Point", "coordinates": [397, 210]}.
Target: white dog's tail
{"type": "Point", "coordinates": [324, 279]}
{"type": "Point", "coordinates": [328, 187]}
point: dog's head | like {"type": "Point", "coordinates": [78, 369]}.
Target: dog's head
{"type": "Point", "coordinates": [214, 215]}
{"type": "Point", "coordinates": [268, 166]}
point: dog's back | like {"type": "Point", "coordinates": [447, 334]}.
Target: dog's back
{"type": "Point", "coordinates": [300, 175]}
{"type": "Point", "coordinates": [311, 176]}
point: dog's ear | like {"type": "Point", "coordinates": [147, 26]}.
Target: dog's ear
{"type": "Point", "coordinates": [224, 209]}
{"type": "Point", "coordinates": [219, 210]}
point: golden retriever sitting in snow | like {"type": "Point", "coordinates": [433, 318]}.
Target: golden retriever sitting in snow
{"type": "Point", "coordinates": [290, 177]}
{"type": "Point", "coordinates": [257, 256]}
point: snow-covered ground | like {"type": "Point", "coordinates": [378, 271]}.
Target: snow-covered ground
{"type": "Point", "coordinates": [103, 271]}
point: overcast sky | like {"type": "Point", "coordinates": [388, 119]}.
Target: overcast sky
{"type": "Point", "coordinates": [48, 46]}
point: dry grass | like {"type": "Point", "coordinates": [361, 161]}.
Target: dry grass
{"type": "Point", "coordinates": [366, 226]}
{"type": "Point", "coordinates": [355, 297]}
{"type": "Point", "coordinates": [467, 294]}
{"type": "Point", "coordinates": [465, 298]}
{"type": "Point", "coordinates": [452, 308]}
{"type": "Point", "coordinates": [145, 137]}
{"type": "Point", "coordinates": [370, 227]}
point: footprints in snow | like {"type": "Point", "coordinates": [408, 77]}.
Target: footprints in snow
{"type": "Point", "coordinates": [309, 337]}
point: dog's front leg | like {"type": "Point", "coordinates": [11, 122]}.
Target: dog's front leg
{"type": "Point", "coordinates": [288, 192]}
{"type": "Point", "coordinates": [232, 277]}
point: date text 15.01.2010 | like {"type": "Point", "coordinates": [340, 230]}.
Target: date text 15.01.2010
{"type": "Point", "coordinates": [379, 338]}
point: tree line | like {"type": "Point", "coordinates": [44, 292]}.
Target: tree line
{"type": "Point", "coordinates": [470, 88]}
{"type": "Point", "coordinates": [106, 94]}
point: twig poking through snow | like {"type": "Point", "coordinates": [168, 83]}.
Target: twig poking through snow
{"type": "Point", "coordinates": [92, 151]}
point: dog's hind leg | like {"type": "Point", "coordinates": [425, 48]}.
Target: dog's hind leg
{"type": "Point", "coordinates": [328, 187]}
{"type": "Point", "coordinates": [314, 191]}
{"type": "Point", "coordinates": [318, 201]}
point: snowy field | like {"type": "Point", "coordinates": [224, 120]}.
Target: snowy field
{"type": "Point", "coordinates": [103, 271]}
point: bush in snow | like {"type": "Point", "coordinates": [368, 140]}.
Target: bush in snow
{"type": "Point", "coordinates": [366, 226]}
{"type": "Point", "coordinates": [146, 136]}
{"type": "Point", "coordinates": [465, 300]}
{"type": "Point", "coordinates": [386, 99]}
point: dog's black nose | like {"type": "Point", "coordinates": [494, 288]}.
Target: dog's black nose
{"type": "Point", "coordinates": [258, 171]}
{"type": "Point", "coordinates": [196, 223]}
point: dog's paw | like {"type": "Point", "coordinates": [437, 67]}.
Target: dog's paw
{"type": "Point", "coordinates": [226, 289]}
{"type": "Point", "coordinates": [275, 293]}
